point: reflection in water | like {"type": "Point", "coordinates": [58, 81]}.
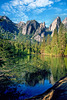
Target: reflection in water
{"type": "Point", "coordinates": [38, 77]}
{"type": "Point", "coordinates": [31, 75]}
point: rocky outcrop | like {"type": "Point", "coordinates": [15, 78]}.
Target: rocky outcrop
{"type": "Point", "coordinates": [8, 25]}
{"type": "Point", "coordinates": [65, 22]}
{"type": "Point", "coordinates": [57, 92]}
{"type": "Point", "coordinates": [40, 32]}
{"type": "Point", "coordinates": [55, 24]}
{"type": "Point", "coordinates": [20, 24]}
{"type": "Point", "coordinates": [30, 27]}
{"type": "Point", "coordinates": [34, 28]}
{"type": "Point", "coordinates": [38, 38]}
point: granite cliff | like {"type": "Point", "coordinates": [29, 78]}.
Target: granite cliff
{"type": "Point", "coordinates": [65, 22]}
{"type": "Point", "coordinates": [55, 24]}
{"type": "Point", "coordinates": [33, 28]}
{"type": "Point", "coordinates": [30, 27]}
{"type": "Point", "coordinates": [37, 30]}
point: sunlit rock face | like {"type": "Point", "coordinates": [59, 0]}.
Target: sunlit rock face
{"type": "Point", "coordinates": [34, 28]}
{"type": "Point", "coordinates": [42, 25]}
{"type": "Point", "coordinates": [65, 22]}
{"type": "Point", "coordinates": [55, 24]}
{"type": "Point", "coordinates": [38, 38]}
{"type": "Point", "coordinates": [20, 24]}
{"type": "Point", "coordinates": [30, 27]}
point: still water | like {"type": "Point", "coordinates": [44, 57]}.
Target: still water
{"type": "Point", "coordinates": [31, 75]}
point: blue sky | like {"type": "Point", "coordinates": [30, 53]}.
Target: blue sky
{"type": "Point", "coordinates": [40, 10]}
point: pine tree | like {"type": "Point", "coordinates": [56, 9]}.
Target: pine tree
{"type": "Point", "coordinates": [65, 53]}
{"type": "Point", "coordinates": [43, 45]}
{"type": "Point", "coordinates": [54, 43]}
{"type": "Point", "coordinates": [61, 39]}
{"type": "Point", "coordinates": [48, 45]}
{"type": "Point", "coordinates": [48, 40]}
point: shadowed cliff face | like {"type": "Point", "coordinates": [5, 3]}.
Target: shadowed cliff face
{"type": "Point", "coordinates": [8, 25]}
{"type": "Point", "coordinates": [30, 27]}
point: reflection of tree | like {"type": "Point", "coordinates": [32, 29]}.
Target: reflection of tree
{"type": "Point", "coordinates": [33, 78]}
{"type": "Point", "coordinates": [4, 82]}
{"type": "Point", "coordinates": [1, 62]}
{"type": "Point", "coordinates": [21, 67]}
{"type": "Point", "coordinates": [58, 66]}
{"type": "Point", "coordinates": [32, 69]}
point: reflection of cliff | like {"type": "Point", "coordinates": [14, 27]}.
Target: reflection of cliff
{"type": "Point", "coordinates": [58, 66]}
{"type": "Point", "coordinates": [52, 80]}
{"type": "Point", "coordinates": [37, 77]}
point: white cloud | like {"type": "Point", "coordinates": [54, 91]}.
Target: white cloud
{"type": "Point", "coordinates": [56, 9]}
{"type": "Point", "coordinates": [40, 3]}
{"type": "Point", "coordinates": [27, 1]}
{"type": "Point", "coordinates": [63, 3]}
{"type": "Point", "coordinates": [20, 8]}
{"type": "Point", "coordinates": [57, 0]}
{"type": "Point", "coordinates": [38, 11]}
{"type": "Point", "coordinates": [62, 14]}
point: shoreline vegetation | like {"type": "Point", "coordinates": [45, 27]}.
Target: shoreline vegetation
{"type": "Point", "coordinates": [23, 45]}
{"type": "Point", "coordinates": [57, 92]}
{"type": "Point", "coordinates": [56, 45]}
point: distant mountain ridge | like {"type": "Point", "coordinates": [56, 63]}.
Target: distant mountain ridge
{"type": "Point", "coordinates": [8, 25]}
{"type": "Point", "coordinates": [38, 30]}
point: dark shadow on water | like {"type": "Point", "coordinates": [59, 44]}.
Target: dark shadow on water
{"type": "Point", "coordinates": [35, 84]}
{"type": "Point", "coordinates": [33, 78]}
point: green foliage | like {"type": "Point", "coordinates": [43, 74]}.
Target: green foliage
{"type": "Point", "coordinates": [54, 43]}
{"type": "Point", "coordinates": [65, 53]}
{"type": "Point", "coordinates": [19, 44]}
{"type": "Point", "coordinates": [56, 46]}
{"type": "Point", "coordinates": [61, 39]}
{"type": "Point", "coordinates": [32, 67]}
{"type": "Point", "coordinates": [43, 45]}
{"type": "Point", "coordinates": [66, 36]}
{"type": "Point", "coordinates": [48, 42]}
{"type": "Point", "coordinates": [6, 34]}
{"type": "Point", "coordinates": [48, 45]}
